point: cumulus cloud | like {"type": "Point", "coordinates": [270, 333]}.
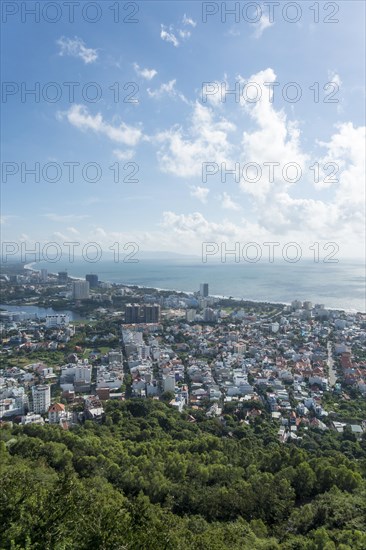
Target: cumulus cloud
{"type": "Point", "coordinates": [276, 139]}
{"type": "Point", "coordinates": [148, 74]}
{"type": "Point", "coordinates": [182, 153]}
{"type": "Point", "coordinates": [228, 203]}
{"type": "Point", "coordinates": [195, 226]}
{"type": "Point", "coordinates": [200, 193]}
{"type": "Point", "coordinates": [341, 217]}
{"type": "Point", "coordinates": [75, 47]}
{"type": "Point", "coordinates": [79, 116]}
{"type": "Point", "coordinates": [346, 151]}
{"type": "Point", "coordinates": [127, 154]}
{"type": "Point", "coordinates": [191, 230]}
{"type": "Point", "coordinates": [271, 136]}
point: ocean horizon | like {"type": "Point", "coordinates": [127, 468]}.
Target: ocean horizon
{"type": "Point", "coordinates": [336, 285]}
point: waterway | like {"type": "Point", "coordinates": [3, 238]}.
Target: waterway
{"type": "Point", "coordinates": [39, 312]}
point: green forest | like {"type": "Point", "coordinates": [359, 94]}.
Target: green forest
{"type": "Point", "coordinates": [151, 478]}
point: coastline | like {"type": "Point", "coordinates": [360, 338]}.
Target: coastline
{"type": "Point", "coordinates": [31, 267]}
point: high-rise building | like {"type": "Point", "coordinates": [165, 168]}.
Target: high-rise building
{"type": "Point", "coordinates": [151, 313]}
{"type": "Point", "coordinates": [80, 290]}
{"type": "Point", "coordinates": [92, 280]}
{"type": "Point", "coordinates": [62, 277]}
{"type": "Point", "coordinates": [204, 290]}
{"type": "Point", "coordinates": [132, 313]}
{"type": "Point", "coordinates": [44, 275]}
{"type": "Point", "coordinates": [41, 396]}
{"type": "Point", "coordinates": [147, 313]}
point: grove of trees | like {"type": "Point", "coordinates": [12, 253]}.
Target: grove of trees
{"type": "Point", "coordinates": [151, 478]}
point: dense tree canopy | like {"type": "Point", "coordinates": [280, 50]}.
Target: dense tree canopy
{"type": "Point", "coordinates": [150, 478]}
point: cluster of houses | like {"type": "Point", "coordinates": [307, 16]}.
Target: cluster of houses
{"type": "Point", "coordinates": [284, 360]}
{"type": "Point", "coordinates": [155, 368]}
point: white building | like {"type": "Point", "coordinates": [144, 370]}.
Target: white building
{"type": "Point", "coordinates": [11, 406]}
{"type": "Point", "coordinates": [169, 383]}
{"type": "Point", "coordinates": [83, 373]}
{"type": "Point", "coordinates": [190, 315]}
{"type": "Point", "coordinates": [80, 290]}
{"type": "Point", "coordinates": [32, 418]}
{"type": "Point", "coordinates": [56, 412]}
{"type": "Point", "coordinates": [41, 396]}
{"type": "Point", "coordinates": [57, 320]}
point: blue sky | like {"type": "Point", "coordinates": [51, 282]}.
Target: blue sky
{"type": "Point", "coordinates": [170, 132]}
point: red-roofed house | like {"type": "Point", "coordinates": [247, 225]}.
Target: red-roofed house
{"type": "Point", "coordinates": [56, 412]}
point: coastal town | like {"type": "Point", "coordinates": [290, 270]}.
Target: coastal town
{"type": "Point", "coordinates": [69, 346]}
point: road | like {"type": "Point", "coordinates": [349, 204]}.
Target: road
{"type": "Point", "coordinates": [331, 369]}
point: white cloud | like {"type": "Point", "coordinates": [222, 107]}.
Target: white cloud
{"type": "Point", "coordinates": [189, 21]}
{"type": "Point", "coordinates": [275, 140]}
{"type": "Point", "coordinates": [339, 219]}
{"type": "Point", "coordinates": [75, 47]}
{"type": "Point", "coordinates": [169, 36]}
{"type": "Point", "coordinates": [148, 74]}
{"type": "Point", "coordinates": [167, 88]}
{"type": "Point", "coordinates": [346, 149]}
{"type": "Point", "coordinates": [333, 76]}
{"type": "Point", "coordinates": [228, 203]}
{"type": "Point", "coordinates": [184, 34]}
{"type": "Point", "coordinates": [189, 231]}
{"type": "Point", "coordinates": [128, 154]}
{"type": "Point", "coordinates": [79, 116]}
{"type": "Point", "coordinates": [263, 24]}
{"type": "Point", "coordinates": [195, 226]}
{"type": "Point", "coordinates": [211, 92]}
{"type": "Point", "coordinates": [200, 193]}
{"type": "Point", "coordinates": [182, 153]}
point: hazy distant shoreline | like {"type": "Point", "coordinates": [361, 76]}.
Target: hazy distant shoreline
{"type": "Point", "coordinates": [163, 271]}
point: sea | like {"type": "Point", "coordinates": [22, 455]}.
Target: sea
{"type": "Point", "coordinates": [336, 285]}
